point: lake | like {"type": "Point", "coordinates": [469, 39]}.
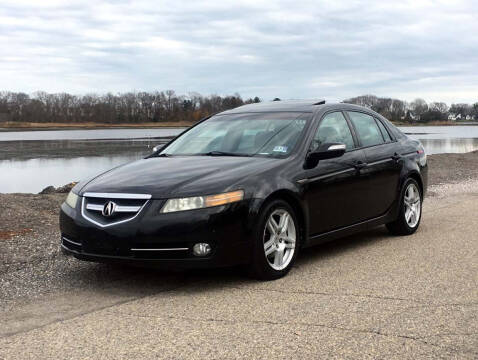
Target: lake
{"type": "Point", "coordinates": [33, 160]}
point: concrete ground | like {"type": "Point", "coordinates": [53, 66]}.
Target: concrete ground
{"type": "Point", "coordinates": [367, 296]}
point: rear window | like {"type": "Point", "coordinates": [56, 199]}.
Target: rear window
{"type": "Point", "coordinates": [367, 129]}
{"type": "Point", "coordinates": [395, 131]}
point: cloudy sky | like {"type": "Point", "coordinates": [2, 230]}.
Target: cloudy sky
{"type": "Point", "coordinates": [289, 49]}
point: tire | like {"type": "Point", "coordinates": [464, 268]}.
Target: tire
{"type": "Point", "coordinates": [270, 238]}
{"type": "Point", "coordinates": [410, 212]}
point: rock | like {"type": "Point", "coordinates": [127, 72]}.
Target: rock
{"type": "Point", "coordinates": [62, 189]}
{"type": "Point", "coordinates": [48, 190]}
{"type": "Point", "coordinates": [66, 188]}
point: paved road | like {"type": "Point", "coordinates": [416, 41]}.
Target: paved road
{"type": "Point", "coordinates": [367, 296]}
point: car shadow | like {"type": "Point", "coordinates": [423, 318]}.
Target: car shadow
{"type": "Point", "coordinates": [342, 245]}
{"type": "Point", "coordinates": [138, 281]}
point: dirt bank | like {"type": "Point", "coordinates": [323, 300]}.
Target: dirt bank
{"type": "Point", "coordinates": [450, 168]}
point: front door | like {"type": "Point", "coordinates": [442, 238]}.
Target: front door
{"type": "Point", "coordinates": [335, 188]}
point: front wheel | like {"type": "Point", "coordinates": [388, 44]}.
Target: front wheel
{"type": "Point", "coordinates": [276, 241]}
{"type": "Point", "coordinates": [410, 210]}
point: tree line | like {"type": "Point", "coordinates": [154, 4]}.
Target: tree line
{"type": "Point", "coordinates": [416, 111]}
{"type": "Point", "coordinates": [167, 106]}
{"type": "Point", "coordinates": [131, 107]}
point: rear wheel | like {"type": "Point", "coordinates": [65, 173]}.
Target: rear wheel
{"type": "Point", "coordinates": [410, 210]}
{"type": "Point", "coordinates": [276, 241]}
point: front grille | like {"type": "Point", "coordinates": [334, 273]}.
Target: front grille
{"type": "Point", "coordinates": [107, 209]}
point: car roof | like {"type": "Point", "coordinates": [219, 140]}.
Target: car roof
{"type": "Point", "coordinates": [271, 106]}
{"type": "Point", "coordinates": [308, 106]}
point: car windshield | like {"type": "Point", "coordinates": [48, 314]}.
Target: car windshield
{"type": "Point", "coordinates": [266, 134]}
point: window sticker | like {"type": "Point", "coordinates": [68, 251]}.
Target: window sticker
{"type": "Point", "coordinates": [282, 149]}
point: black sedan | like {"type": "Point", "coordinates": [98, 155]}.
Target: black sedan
{"type": "Point", "coordinates": [251, 186]}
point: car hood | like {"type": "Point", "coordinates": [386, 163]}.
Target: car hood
{"type": "Point", "coordinates": [166, 177]}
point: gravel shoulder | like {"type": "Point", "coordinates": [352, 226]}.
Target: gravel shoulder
{"type": "Point", "coordinates": [452, 168]}
{"type": "Point", "coordinates": [369, 294]}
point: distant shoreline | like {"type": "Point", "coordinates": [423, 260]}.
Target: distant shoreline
{"type": "Point", "coordinates": [30, 126]}
{"type": "Point", "coordinates": [17, 126]}
{"type": "Point", "coordinates": [437, 123]}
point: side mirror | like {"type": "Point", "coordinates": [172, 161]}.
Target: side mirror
{"type": "Point", "coordinates": [157, 148]}
{"type": "Point", "coordinates": [324, 151]}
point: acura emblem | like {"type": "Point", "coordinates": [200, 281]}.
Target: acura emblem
{"type": "Point", "coordinates": [109, 209]}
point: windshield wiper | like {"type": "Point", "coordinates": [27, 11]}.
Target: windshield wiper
{"type": "Point", "coordinates": [223, 153]}
{"type": "Point", "coordinates": [164, 155]}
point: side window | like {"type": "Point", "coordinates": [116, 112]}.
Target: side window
{"type": "Point", "coordinates": [385, 133]}
{"type": "Point", "coordinates": [333, 129]}
{"type": "Point", "coordinates": [367, 128]}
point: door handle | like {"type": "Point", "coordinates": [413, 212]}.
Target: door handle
{"type": "Point", "coordinates": [397, 157]}
{"type": "Point", "coordinates": [359, 165]}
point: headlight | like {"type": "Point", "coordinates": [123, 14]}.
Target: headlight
{"type": "Point", "coordinates": [72, 199]}
{"type": "Point", "coordinates": [199, 202]}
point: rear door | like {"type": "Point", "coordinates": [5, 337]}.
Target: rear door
{"type": "Point", "coordinates": [383, 162]}
{"type": "Point", "coordinates": [335, 188]}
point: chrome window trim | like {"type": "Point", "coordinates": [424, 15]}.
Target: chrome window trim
{"type": "Point", "coordinates": [117, 195]}
{"type": "Point", "coordinates": [113, 223]}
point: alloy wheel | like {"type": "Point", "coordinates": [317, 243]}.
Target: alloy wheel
{"type": "Point", "coordinates": [279, 239]}
{"type": "Point", "coordinates": [412, 202]}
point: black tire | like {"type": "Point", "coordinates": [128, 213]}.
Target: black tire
{"type": "Point", "coordinates": [401, 226]}
{"type": "Point", "coordinates": [259, 267]}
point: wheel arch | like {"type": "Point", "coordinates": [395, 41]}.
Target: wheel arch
{"type": "Point", "coordinates": [415, 175]}
{"type": "Point", "coordinates": [296, 203]}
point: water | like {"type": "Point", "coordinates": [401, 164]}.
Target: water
{"type": "Point", "coordinates": [33, 160]}
{"type": "Point", "coordinates": [445, 139]}
{"type": "Point", "coordinates": [89, 134]}
{"type": "Point", "coordinates": [33, 175]}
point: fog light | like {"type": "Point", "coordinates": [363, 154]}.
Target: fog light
{"type": "Point", "coordinates": [201, 249]}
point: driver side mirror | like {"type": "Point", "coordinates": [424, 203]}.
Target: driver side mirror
{"type": "Point", "coordinates": [157, 148]}
{"type": "Point", "coordinates": [324, 151]}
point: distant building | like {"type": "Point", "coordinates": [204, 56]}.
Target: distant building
{"type": "Point", "coordinates": [455, 117]}
{"type": "Point", "coordinates": [409, 116]}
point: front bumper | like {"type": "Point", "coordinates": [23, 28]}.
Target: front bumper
{"type": "Point", "coordinates": [163, 240]}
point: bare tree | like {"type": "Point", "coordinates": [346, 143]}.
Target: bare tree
{"type": "Point", "coordinates": [418, 107]}
{"type": "Point", "coordinates": [439, 106]}
{"type": "Point", "coordinates": [159, 106]}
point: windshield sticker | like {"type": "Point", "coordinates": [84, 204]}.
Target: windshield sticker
{"type": "Point", "coordinates": [282, 149]}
